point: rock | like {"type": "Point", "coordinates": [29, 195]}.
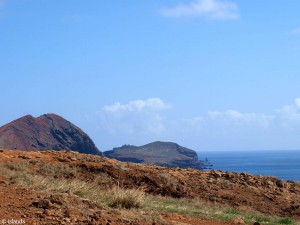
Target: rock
{"type": "Point", "coordinates": [229, 175]}
{"type": "Point", "coordinates": [238, 221]}
{"type": "Point", "coordinates": [216, 173]}
{"type": "Point", "coordinates": [61, 159]}
{"type": "Point", "coordinates": [67, 220]}
{"type": "Point", "coordinates": [69, 213]}
{"type": "Point", "coordinates": [73, 159]}
{"type": "Point", "coordinates": [295, 206]}
{"type": "Point", "coordinates": [42, 203]}
{"type": "Point", "coordinates": [57, 199]}
{"type": "Point", "coordinates": [43, 216]}
{"type": "Point", "coordinates": [280, 183]}
{"type": "Point", "coordinates": [47, 212]}
{"type": "Point", "coordinates": [25, 157]}
{"type": "Point", "coordinates": [245, 175]}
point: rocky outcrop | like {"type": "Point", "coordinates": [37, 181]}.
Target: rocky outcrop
{"type": "Point", "coordinates": [47, 132]}
{"type": "Point", "coordinates": [157, 153]}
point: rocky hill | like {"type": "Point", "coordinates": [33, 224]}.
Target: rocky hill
{"type": "Point", "coordinates": [47, 132]}
{"type": "Point", "coordinates": [159, 153]}
{"type": "Point", "coordinates": [66, 187]}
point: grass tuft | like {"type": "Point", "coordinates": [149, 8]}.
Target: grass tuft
{"type": "Point", "coordinates": [129, 198]}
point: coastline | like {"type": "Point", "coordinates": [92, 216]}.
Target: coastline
{"type": "Point", "coordinates": [283, 164]}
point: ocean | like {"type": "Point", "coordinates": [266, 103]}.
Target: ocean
{"type": "Point", "coordinates": [282, 164]}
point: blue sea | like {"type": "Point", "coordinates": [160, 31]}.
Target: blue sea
{"type": "Point", "coordinates": [282, 164]}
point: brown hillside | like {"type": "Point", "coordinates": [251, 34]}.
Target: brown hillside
{"type": "Point", "coordinates": [48, 131]}
{"type": "Point", "coordinates": [241, 191]}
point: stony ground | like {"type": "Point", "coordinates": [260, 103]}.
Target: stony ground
{"type": "Point", "coordinates": [242, 191]}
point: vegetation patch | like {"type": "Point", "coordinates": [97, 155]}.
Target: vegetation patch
{"type": "Point", "coordinates": [52, 178]}
{"type": "Point", "coordinates": [196, 207]}
{"type": "Point", "coordinates": [114, 198]}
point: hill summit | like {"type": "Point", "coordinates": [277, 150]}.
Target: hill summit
{"type": "Point", "coordinates": [159, 153]}
{"type": "Point", "coordinates": [47, 132]}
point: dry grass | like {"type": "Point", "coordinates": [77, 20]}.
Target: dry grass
{"type": "Point", "coordinates": [128, 198]}
{"type": "Point", "coordinates": [42, 179]}
{"type": "Point", "coordinates": [115, 197]}
{"type": "Point", "coordinates": [197, 207]}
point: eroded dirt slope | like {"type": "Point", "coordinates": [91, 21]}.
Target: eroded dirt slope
{"type": "Point", "coordinates": [243, 191]}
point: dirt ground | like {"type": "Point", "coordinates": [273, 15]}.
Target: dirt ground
{"type": "Point", "coordinates": [19, 205]}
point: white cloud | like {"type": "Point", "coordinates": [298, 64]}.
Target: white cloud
{"type": "Point", "coordinates": [142, 121]}
{"type": "Point", "coordinates": [215, 125]}
{"type": "Point", "coordinates": [296, 31]}
{"type": "Point", "coordinates": [289, 115]}
{"type": "Point", "coordinates": [234, 116]}
{"type": "Point", "coordinates": [138, 116]}
{"type": "Point", "coordinates": [210, 9]}
{"type": "Point", "coordinates": [137, 105]}
{"type": "Point", "coordinates": [285, 118]}
{"type": "Point", "coordinates": [297, 102]}
{"type": "Point", "coordinates": [146, 117]}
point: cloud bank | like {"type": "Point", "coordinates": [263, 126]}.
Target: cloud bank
{"type": "Point", "coordinates": [138, 116]}
{"type": "Point", "coordinates": [155, 104]}
{"type": "Point", "coordinates": [286, 117]}
{"type": "Point", "coordinates": [209, 9]}
{"type": "Point", "coordinates": [142, 121]}
{"type": "Point", "coordinates": [289, 115]}
{"type": "Point", "coordinates": [244, 119]}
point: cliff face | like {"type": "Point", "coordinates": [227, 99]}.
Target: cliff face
{"type": "Point", "coordinates": [47, 132]}
{"type": "Point", "coordinates": [158, 153]}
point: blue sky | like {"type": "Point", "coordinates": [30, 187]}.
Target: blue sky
{"type": "Point", "coordinates": [207, 74]}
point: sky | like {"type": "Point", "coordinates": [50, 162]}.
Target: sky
{"type": "Point", "coordinates": [207, 74]}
